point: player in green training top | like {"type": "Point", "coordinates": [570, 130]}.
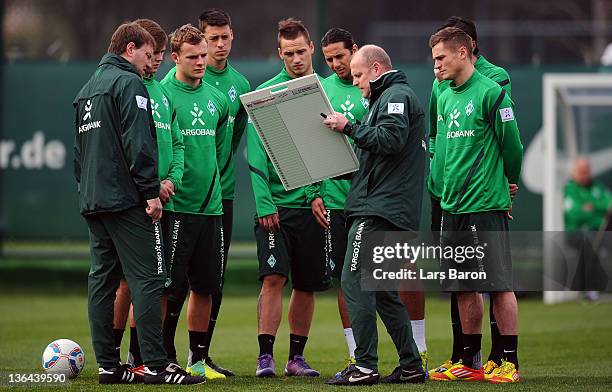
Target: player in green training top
{"type": "Point", "coordinates": [217, 28]}
{"type": "Point", "coordinates": [327, 198]}
{"type": "Point", "coordinates": [586, 201]}
{"type": "Point", "coordinates": [587, 215]}
{"type": "Point", "coordinates": [170, 170]}
{"type": "Point", "coordinates": [435, 183]}
{"type": "Point", "coordinates": [197, 252]}
{"type": "Point", "coordinates": [289, 240]}
{"type": "Point", "coordinates": [482, 156]}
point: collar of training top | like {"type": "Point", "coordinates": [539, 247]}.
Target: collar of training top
{"type": "Point", "coordinates": [384, 81]}
{"type": "Point", "coordinates": [119, 62]}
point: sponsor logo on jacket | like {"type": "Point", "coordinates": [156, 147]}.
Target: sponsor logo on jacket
{"type": "Point", "coordinates": [87, 116]}
{"type": "Point", "coordinates": [456, 134]}
{"type": "Point", "coordinates": [89, 126]}
{"type": "Point", "coordinates": [198, 132]}
{"type": "Point", "coordinates": [162, 125]}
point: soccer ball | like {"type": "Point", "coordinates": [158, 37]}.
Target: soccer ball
{"type": "Point", "coordinates": [63, 356]}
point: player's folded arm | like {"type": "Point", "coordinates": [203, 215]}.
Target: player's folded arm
{"type": "Point", "coordinates": [603, 203]}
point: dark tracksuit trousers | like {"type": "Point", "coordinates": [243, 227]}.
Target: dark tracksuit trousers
{"type": "Point", "coordinates": [127, 242]}
{"type": "Point", "coordinates": [363, 305]}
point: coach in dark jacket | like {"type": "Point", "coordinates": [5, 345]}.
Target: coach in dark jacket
{"type": "Point", "coordinates": [115, 149]}
{"type": "Point", "coordinates": [116, 172]}
{"type": "Point", "coordinates": [385, 195]}
{"type": "Point", "coordinates": [391, 151]}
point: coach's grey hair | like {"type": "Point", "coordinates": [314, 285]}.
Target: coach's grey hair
{"type": "Point", "coordinates": [375, 54]}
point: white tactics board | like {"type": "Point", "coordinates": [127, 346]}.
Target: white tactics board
{"type": "Point", "coordinates": [287, 117]}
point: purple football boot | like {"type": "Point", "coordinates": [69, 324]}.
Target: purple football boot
{"type": "Point", "coordinates": [265, 366]}
{"type": "Point", "coordinates": [299, 367]}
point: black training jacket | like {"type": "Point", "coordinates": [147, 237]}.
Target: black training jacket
{"type": "Point", "coordinates": [391, 148]}
{"type": "Point", "coordinates": [115, 151]}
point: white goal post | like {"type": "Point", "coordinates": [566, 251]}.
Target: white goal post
{"type": "Point", "coordinates": [568, 100]}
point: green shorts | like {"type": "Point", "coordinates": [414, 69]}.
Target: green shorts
{"type": "Point", "coordinates": [298, 248]}
{"type": "Point", "coordinates": [488, 268]}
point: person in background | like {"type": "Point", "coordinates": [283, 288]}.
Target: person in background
{"type": "Point", "coordinates": [587, 206]}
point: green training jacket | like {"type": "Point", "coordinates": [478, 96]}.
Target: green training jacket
{"type": "Point", "coordinates": [483, 150]}
{"type": "Point", "coordinates": [267, 186]}
{"type": "Point", "coordinates": [171, 158]}
{"type": "Point", "coordinates": [437, 136]}
{"type": "Point", "coordinates": [576, 197]}
{"type": "Point", "coordinates": [202, 116]}
{"type": "Point", "coordinates": [115, 151]}
{"type": "Point", "coordinates": [231, 84]}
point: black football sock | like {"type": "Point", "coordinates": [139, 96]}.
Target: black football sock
{"type": "Point", "coordinates": [214, 313]}
{"type": "Point", "coordinates": [510, 344]}
{"type": "Point", "coordinates": [118, 335]}
{"type": "Point", "coordinates": [266, 344]}
{"type": "Point", "coordinates": [135, 348]}
{"type": "Point", "coordinates": [197, 345]}
{"type": "Point", "coordinates": [457, 332]}
{"type": "Point", "coordinates": [173, 312]}
{"type": "Point", "coordinates": [211, 328]}
{"type": "Point", "coordinates": [296, 345]}
{"type": "Point", "coordinates": [471, 350]}
{"type": "Point", "coordinates": [497, 345]}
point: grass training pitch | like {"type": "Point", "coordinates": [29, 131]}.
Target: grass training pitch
{"type": "Point", "coordinates": [561, 347]}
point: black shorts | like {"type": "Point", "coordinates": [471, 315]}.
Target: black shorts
{"type": "Point", "coordinates": [228, 225]}
{"type": "Point", "coordinates": [476, 252]}
{"type": "Point", "coordinates": [196, 252]}
{"type": "Point", "coordinates": [297, 248]}
{"type": "Point", "coordinates": [436, 219]}
{"type": "Point", "coordinates": [336, 238]}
